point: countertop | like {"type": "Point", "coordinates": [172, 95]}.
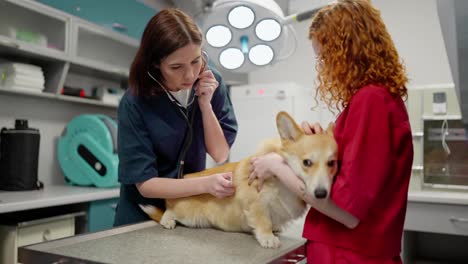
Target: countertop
{"type": "Point", "coordinates": [52, 195]}
{"type": "Point", "coordinates": [149, 242]}
{"type": "Point", "coordinates": [439, 197]}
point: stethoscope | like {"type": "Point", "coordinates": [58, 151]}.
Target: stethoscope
{"type": "Point", "coordinates": [188, 120]}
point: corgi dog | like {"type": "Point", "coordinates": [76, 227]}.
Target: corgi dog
{"type": "Point", "coordinates": [264, 212]}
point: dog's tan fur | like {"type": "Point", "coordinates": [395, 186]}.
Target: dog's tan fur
{"type": "Point", "coordinates": [264, 212]}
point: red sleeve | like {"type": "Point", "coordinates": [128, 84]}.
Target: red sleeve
{"type": "Point", "coordinates": [366, 145]}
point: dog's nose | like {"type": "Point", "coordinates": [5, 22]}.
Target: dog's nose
{"type": "Point", "coordinates": [320, 193]}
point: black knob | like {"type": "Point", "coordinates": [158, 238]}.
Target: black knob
{"type": "Point", "coordinates": [21, 124]}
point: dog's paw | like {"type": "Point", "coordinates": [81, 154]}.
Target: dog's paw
{"type": "Point", "coordinates": [168, 224]}
{"type": "Point", "coordinates": [268, 241]}
{"type": "Point", "coordinates": [168, 220]}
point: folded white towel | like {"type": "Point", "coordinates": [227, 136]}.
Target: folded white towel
{"type": "Point", "coordinates": [26, 89]}
{"type": "Point", "coordinates": [22, 68]}
{"type": "Point", "coordinates": [24, 80]}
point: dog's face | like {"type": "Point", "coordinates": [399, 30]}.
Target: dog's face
{"type": "Point", "coordinates": [313, 158]}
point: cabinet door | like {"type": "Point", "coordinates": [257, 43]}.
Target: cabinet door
{"type": "Point", "coordinates": [256, 116]}
{"type": "Point", "coordinates": [101, 214]}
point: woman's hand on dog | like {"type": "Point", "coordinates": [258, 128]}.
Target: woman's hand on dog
{"type": "Point", "coordinates": [310, 129]}
{"type": "Point", "coordinates": [220, 185]}
{"type": "Point", "coordinates": [263, 167]}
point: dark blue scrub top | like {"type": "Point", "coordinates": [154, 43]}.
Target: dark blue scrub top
{"type": "Point", "coordinates": [150, 137]}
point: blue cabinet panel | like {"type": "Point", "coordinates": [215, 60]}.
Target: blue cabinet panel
{"type": "Point", "coordinates": [125, 16]}
{"type": "Point", "coordinates": [101, 214]}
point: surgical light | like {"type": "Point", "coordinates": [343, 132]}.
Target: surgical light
{"type": "Point", "coordinates": [241, 17]}
{"type": "Point", "coordinates": [231, 58]}
{"type": "Point", "coordinates": [245, 35]}
{"type": "Point", "coordinates": [261, 55]}
{"type": "Point", "coordinates": [268, 29]}
{"type": "Point", "coordinates": [218, 36]}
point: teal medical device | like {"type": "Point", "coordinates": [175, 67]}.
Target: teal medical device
{"type": "Point", "coordinates": [87, 151]}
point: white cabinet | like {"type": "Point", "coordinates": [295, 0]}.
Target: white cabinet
{"type": "Point", "coordinates": [71, 52]}
{"type": "Point", "coordinates": [31, 232]}
{"type": "Point", "coordinates": [435, 232]}
{"type": "Point", "coordinates": [437, 218]}
{"type": "Point", "coordinates": [256, 107]}
{"type": "Point", "coordinates": [102, 48]}
{"type": "Point", "coordinates": [30, 27]}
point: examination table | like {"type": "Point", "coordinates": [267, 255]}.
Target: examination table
{"type": "Point", "coordinates": [148, 242]}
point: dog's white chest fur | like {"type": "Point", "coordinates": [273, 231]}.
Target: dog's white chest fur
{"type": "Point", "coordinates": [284, 207]}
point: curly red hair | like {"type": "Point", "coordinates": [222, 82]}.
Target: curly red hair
{"type": "Point", "coordinates": [354, 49]}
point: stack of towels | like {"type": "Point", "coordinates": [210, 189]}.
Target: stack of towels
{"type": "Point", "coordinates": [21, 76]}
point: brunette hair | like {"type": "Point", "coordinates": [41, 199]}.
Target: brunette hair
{"type": "Point", "coordinates": [354, 50]}
{"type": "Point", "coordinates": [167, 31]}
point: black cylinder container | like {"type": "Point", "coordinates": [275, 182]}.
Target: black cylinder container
{"type": "Point", "coordinates": [19, 155]}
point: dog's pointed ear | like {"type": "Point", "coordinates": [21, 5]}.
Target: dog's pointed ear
{"type": "Point", "coordinates": [287, 127]}
{"type": "Point", "coordinates": [330, 129]}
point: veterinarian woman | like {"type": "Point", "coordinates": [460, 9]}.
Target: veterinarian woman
{"type": "Point", "coordinates": [360, 72]}
{"type": "Point", "coordinates": [175, 112]}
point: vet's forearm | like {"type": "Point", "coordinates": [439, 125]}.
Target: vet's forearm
{"type": "Point", "coordinates": [286, 175]}
{"type": "Point", "coordinates": [329, 208]}
{"type": "Point", "coordinates": [167, 188]}
{"type": "Point", "coordinates": [215, 141]}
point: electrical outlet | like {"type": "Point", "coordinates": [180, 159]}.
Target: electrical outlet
{"type": "Point", "coordinates": [439, 103]}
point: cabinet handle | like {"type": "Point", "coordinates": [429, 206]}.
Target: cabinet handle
{"type": "Point", "coordinates": [299, 255]}
{"type": "Point", "coordinates": [46, 235]}
{"type": "Point", "coordinates": [281, 95]}
{"type": "Point", "coordinates": [290, 260]}
{"type": "Point", "coordinates": [458, 219]}
{"type": "Point", "coordinates": [10, 43]}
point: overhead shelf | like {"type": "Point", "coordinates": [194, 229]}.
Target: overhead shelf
{"type": "Point", "coordinates": [46, 95]}
{"type": "Point", "coordinates": [70, 51]}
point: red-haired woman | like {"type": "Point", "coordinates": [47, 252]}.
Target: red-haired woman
{"type": "Point", "coordinates": [175, 112]}
{"type": "Point", "coordinates": [359, 219]}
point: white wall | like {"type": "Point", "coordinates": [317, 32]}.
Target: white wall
{"type": "Point", "coordinates": [50, 117]}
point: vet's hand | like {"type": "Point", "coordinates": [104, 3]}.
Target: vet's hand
{"type": "Point", "coordinates": [220, 185]}
{"type": "Point", "coordinates": [205, 88]}
{"type": "Point", "coordinates": [263, 168]}
{"type": "Point", "coordinates": [310, 129]}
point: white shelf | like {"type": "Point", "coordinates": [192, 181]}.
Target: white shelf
{"type": "Point", "coordinates": [442, 197]}
{"type": "Point", "coordinates": [57, 97]}
{"type": "Point", "coordinates": [28, 93]}
{"type": "Point", "coordinates": [84, 101]}
{"type": "Point", "coordinates": [15, 47]}
{"type": "Point", "coordinates": [442, 117]}
{"type": "Point", "coordinates": [53, 195]}
{"type": "Point", "coordinates": [99, 69]}
{"type": "Point", "coordinates": [72, 52]}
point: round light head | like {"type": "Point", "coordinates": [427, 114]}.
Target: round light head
{"type": "Point", "coordinates": [268, 29]}
{"type": "Point", "coordinates": [231, 58]}
{"type": "Point", "coordinates": [241, 17]}
{"type": "Point", "coordinates": [218, 36]}
{"type": "Point", "coordinates": [261, 54]}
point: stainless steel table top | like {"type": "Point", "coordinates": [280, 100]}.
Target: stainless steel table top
{"type": "Point", "coordinates": [149, 242]}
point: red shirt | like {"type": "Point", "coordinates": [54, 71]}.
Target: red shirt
{"type": "Point", "coordinates": [375, 153]}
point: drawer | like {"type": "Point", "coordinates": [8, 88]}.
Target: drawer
{"type": "Point", "coordinates": [54, 229]}
{"type": "Point", "coordinates": [437, 218]}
